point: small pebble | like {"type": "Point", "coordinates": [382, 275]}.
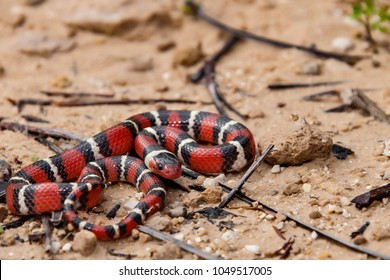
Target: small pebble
{"type": "Point", "coordinates": [314, 235]}
{"type": "Point", "coordinates": [359, 240]}
{"type": "Point", "coordinates": [345, 201]}
{"type": "Point", "coordinates": [276, 169]}
{"type": "Point", "coordinates": [310, 69]}
{"type": "Point", "coordinates": [5, 168]}
{"type": "Point", "coordinates": [315, 215]}
{"type": "Point", "coordinates": [253, 249]}
{"type": "Point", "coordinates": [84, 242]}
{"type": "Point", "coordinates": [280, 225]}
{"type": "Point", "coordinates": [66, 247]}
{"type": "Point", "coordinates": [179, 236]}
{"type": "Point", "coordinates": [306, 187]}
{"type": "Point", "coordinates": [270, 217]}
{"type": "Point", "coordinates": [142, 63]}
{"type": "Point", "coordinates": [386, 151]}
{"type": "Point", "coordinates": [345, 213]}
{"type": "Point", "coordinates": [386, 175]}
{"type": "Point", "coordinates": [179, 211]}
{"type": "Point", "coordinates": [229, 234]}
{"type": "Point", "coordinates": [342, 44]}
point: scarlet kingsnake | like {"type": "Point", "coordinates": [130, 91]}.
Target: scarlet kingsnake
{"type": "Point", "coordinates": [40, 187]}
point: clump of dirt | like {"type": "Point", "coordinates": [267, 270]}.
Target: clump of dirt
{"type": "Point", "coordinates": [131, 50]}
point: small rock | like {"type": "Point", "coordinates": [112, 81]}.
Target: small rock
{"type": "Point", "coordinates": [193, 199]}
{"type": "Point", "coordinates": [142, 63]}
{"type": "Point", "coordinates": [342, 44]}
{"type": "Point", "coordinates": [306, 187]}
{"type": "Point", "coordinates": [270, 217]}
{"type": "Point", "coordinates": [144, 238]}
{"type": "Point", "coordinates": [214, 182]}
{"type": "Point", "coordinates": [345, 213]}
{"type": "Point", "coordinates": [253, 249]}
{"type": "Point", "coordinates": [3, 212]}
{"type": "Point", "coordinates": [42, 45]}
{"type": "Point", "coordinates": [7, 239]}
{"type": "Point", "coordinates": [229, 234]}
{"type": "Point", "coordinates": [379, 232]}
{"type": "Point", "coordinates": [345, 201]}
{"type": "Point", "coordinates": [61, 81]}
{"type": "Point", "coordinates": [84, 242]}
{"type": "Point", "coordinates": [179, 236]}
{"type": "Point", "coordinates": [166, 45]}
{"type": "Point", "coordinates": [276, 169]}
{"type": "Point", "coordinates": [296, 143]}
{"type": "Point", "coordinates": [359, 239]}
{"type": "Point", "coordinates": [280, 225]}
{"type": "Point", "coordinates": [386, 151]}
{"type": "Point", "coordinates": [386, 174]}
{"type": "Point", "coordinates": [159, 222]}
{"type": "Point", "coordinates": [67, 247]}
{"type": "Point", "coordinates": [188, 55]}
{"type": "Point", "coordinates": [292, 188]}
{"type": "Point", "coordinates": [315, 215]}
{"type": "Point", "coordinates": [324, 256]}
{"type": "Point", "coordinates": [310, 68]}
{"type": "Point", "coordinates": [212, 195]}
{"type": "Point", "coordinates": [314, 235]}
{"type": "Point", "coordinates": [179, 211]}
{"type": "Point", "coordinates": [168, 251]}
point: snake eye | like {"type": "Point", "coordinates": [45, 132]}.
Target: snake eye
{"type": "Point", "coordinates": [160, 166]}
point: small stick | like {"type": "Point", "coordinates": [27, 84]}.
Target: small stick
{"type": "Point", "coordinates": [31, 118]}
{"type": "Point", "coordinates": [358, 99]}
{"type": "Point", "coordinates": [77, 94]}
{"type": "Point", "coordinates": [198, 11]}
{"type": "Point", "coordinates": [302, 85]}
{"type": "Point", "coordinates": [182, 245]}
{"type": "Point", "coordinates": [112, 252]}
{"type": "Point", "coordinates": [360, 230]}
{"type": "Point", "coordinates": [197, 76]}
{"type": "Point", "coordinates": [244, 178]}
{"type": "Point", "coordinates": [315, 96]}
{"type": "Point", "coordinates": [17, 223]}
{"type": "Point", "coordinates": [48, 144]}
{"type": "Point", "coordinates": [74, 103]}
{"type": "Point", "coordinates": [48, 234]}
{"type": "Point", "coordinates": [307, 226]}
{"type": "Point", "coordinates": [52, 132]}
{"type": "Point", "coordinates": [365, 199]}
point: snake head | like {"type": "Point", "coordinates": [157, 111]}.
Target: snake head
{"type": "Point", "coordinates": [164, 164]}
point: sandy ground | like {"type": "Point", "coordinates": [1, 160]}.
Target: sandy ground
{"type": "Point", "coordinates": [119, 47]}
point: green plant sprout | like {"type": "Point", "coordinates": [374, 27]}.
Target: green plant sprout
{"type": "Point", "coordinates": [373, 15]}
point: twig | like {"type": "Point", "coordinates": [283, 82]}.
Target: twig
{"type": "Point", "coordinates": [74, 103]}
{"type": "Point", "coordinates": [365, 199]}
{"type": "Point", "coordinates": [48, 144]}
{"type": "Point", "coordinates": [245, 177]}
{"type": "Point", "coordinates": [317, 95]}
{"type": "Point", "coordinates": [182, 245]}
{"type": "Point", "coordinates": [302, 85]}
{"type": "Point", "coordinates": [31, 118]}
{"type": "Point", "coordinates": [198, 75]}
{"type": "Point", "coordinates": [309, 227]}
{"type": "Point", "coordinates": [52, 132]}
{"type": "Point", "coordinates": [48, 234]}
{"type": "Point", "coordinates": [197, 10]}
{"type": "Point", "coordinates": [112, 252]}
{"type": "Point", "coordinates": [17, 223]}
{"type": "Point", "coordinates": [77, 94]}
{"type": "Point", "coordinates": [360, 230]}
{"type": "Point", "coordinates": [360, 100]}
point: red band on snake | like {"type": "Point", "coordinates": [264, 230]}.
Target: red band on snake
{"type": "Point", "coordinates": [41, 187]}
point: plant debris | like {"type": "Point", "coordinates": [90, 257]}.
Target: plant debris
{"type": "Point", "coordinates": [341, 152]}
{"type": "Point", "coordinates": [365, 199]}
{"type": "Point", "coordinates": [360, 230]}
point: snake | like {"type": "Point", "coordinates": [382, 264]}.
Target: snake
{"type": "Point", "coordinates": [141, 150]}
